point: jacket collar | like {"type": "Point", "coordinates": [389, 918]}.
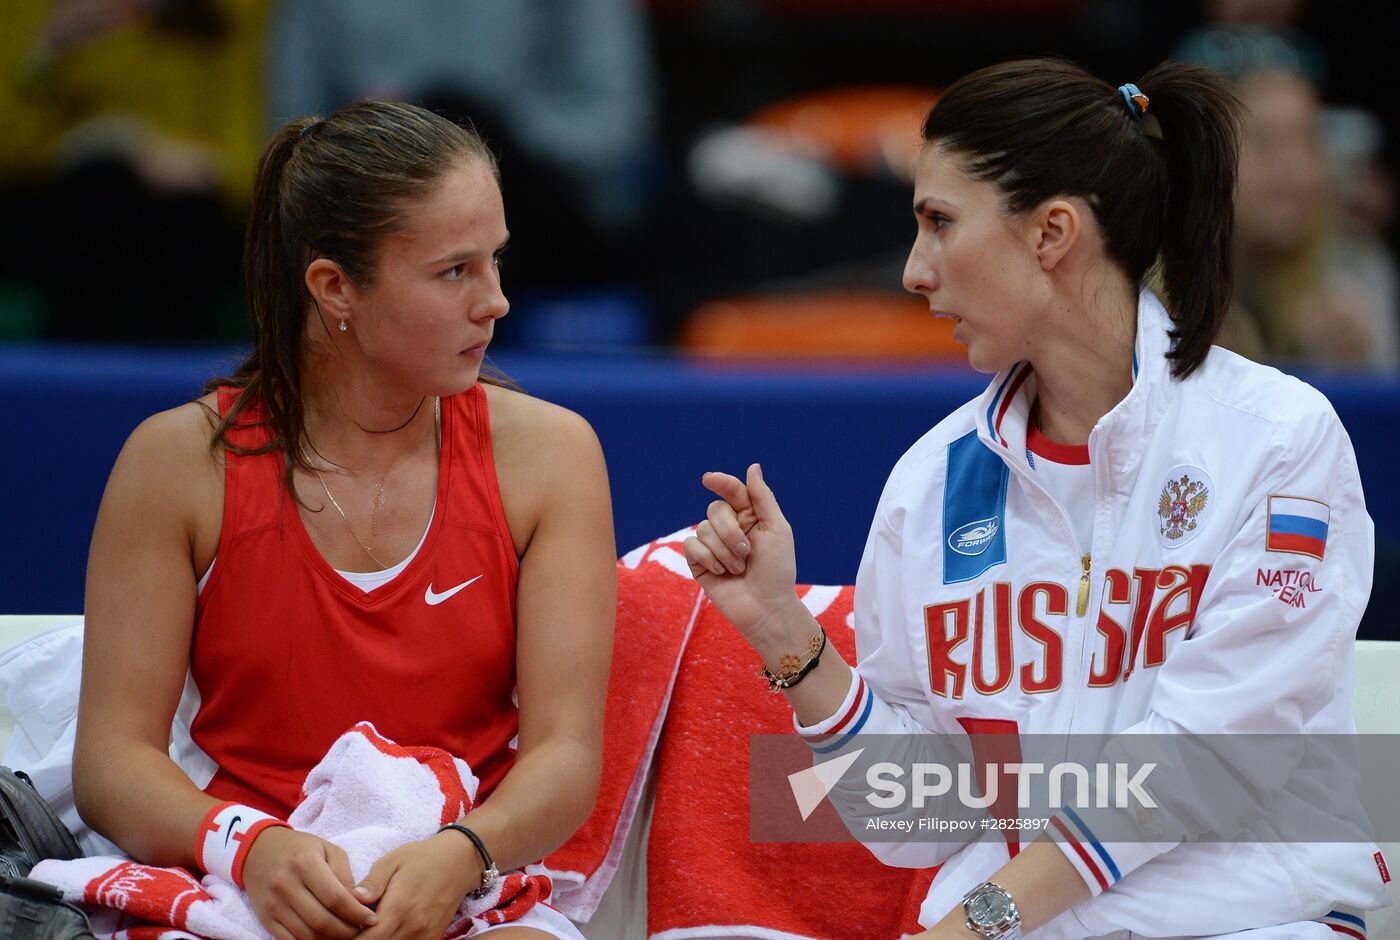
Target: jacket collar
{"type": "Point", "coordinates": [1120, 437]}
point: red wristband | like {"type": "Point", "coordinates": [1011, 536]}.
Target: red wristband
{"type": "Point", "coordinates": [226, 835]}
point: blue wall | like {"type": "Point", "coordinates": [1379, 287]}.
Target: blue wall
{"type": "Point", "coordinates": [826, 439]}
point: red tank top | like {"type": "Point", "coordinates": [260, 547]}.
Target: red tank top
{"type": "Point", "coordinates": [287, 655]}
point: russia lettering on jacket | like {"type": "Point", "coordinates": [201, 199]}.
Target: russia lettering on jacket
{"type": "Point", "coordinates": [1158, 603]}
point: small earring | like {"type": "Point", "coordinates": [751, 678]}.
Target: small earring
{"type": "Point", "coordinates": [344, 327]}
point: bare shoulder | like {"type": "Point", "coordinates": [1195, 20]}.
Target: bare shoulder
{"type": "Point", "coordinates": [533, 427]}
{"type": "Point", "coordinates": [549, 463]}
{"type": "Point", "coordinates": [169, 470]}
{"type": "Point", "coordinates": [177, 439]}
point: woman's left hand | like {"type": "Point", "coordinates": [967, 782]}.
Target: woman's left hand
{"type": "Point", "coordinates": [417, 888]}
{"type": "Point", "coordinates": [742, 555]}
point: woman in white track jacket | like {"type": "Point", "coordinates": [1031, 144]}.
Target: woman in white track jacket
{"type": "Point", "coordinates": [1131, 532]}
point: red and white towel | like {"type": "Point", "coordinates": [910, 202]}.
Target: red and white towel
{"type": "Point", "coordinates": [368, 795]}
{"type": "Point", "coordinates": [679, 666]}
{"type": "Point", "coordinates": [705, 876]}
{"type": "Point", "coordinates": [657, 605]}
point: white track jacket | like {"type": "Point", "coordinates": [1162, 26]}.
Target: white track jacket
{"type": "Point", "coordinates": [1231, 562]}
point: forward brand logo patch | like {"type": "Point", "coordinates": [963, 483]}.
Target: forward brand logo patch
{"type": "Point", "coordinates": [1181, 508]}
{"type": "Point", "coordinates": [974, 510]}
{"type": "Point", "coordinates": [434, 599]}
{"type": "Point", "coordinates": [975, 537]}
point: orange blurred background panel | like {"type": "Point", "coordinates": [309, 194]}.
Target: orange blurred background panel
{"type": "Point", "coordinates": [845, 324]}
{"type": "Point", "coordinates": [858, 129]}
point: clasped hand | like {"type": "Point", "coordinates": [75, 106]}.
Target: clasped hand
{"type": "Point", "coordinates": [301, 888]}
{"type": "Point", "coordinates": [742, 555]}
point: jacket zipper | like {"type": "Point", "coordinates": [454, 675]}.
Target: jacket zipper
{"type": "Point", "coordinates": [1083, 604]}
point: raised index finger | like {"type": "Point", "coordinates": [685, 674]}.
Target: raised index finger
{"type": "Point", "coordinates": [728, 488]}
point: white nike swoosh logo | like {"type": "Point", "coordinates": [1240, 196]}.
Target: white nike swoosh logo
{"type": "Point", "coordinates": [434, 599]}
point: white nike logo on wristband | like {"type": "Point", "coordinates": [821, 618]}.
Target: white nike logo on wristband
{"type": "Point", "coordinates": [434, 599]}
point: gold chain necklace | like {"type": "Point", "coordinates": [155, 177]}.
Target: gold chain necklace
{"type": "Point", "coordinates": [373, 518]}
{"type": "Point", "coordinates": [379, 490]}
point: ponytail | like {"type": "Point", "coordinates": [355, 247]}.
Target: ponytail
{"type": "Point", "coordinates": [276, 298]}
{"type": "Point", "coordinates": [1200, 124]}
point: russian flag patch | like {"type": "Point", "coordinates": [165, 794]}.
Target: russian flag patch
{"type": "Point", "coordinates": [1297, 525]}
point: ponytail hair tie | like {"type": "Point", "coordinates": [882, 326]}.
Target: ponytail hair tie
{"type": "Point", "coordinates": [1134, 99]}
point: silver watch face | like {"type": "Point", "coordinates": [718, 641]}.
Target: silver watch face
{"type": "Point", "coordinates": [989, 908]}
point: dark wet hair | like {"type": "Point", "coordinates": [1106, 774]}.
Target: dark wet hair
{"type": "Point", "coordinates": [331, 188]}
{"type": "Point", "coordinates": [1161, 185]}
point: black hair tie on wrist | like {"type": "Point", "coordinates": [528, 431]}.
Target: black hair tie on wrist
{"type": "Point", "coordinates": [489, 873]}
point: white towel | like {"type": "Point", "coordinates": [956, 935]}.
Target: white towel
{"type": "Point", "coordinates": [368, 795]}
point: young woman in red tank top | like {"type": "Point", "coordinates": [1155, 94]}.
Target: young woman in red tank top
{"type": "Point", "coordinates": [356, 525]}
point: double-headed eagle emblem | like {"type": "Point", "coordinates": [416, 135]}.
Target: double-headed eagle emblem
{"type": "Point", "coordinates": [1182, 501]}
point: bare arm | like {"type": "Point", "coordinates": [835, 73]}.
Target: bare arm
{"type": "Point", "coordinates": [566, 604]}
{"type": "Point", "coordinates": [140, 615]}
{"type": "Point", "coordinates": [157, 527]}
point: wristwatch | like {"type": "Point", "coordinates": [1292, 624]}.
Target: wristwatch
{"type": "Point", "coordinates": [992, 913]}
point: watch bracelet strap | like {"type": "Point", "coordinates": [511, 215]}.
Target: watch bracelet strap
{"type": "Point", "coordinates": [1013, 931]}
{"type": "Point", "coordinates": [489, 872]}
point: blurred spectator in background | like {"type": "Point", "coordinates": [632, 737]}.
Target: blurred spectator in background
{"type": "Point", "coordinates": [806, 196]}
{"type": "Point", "coordinates": [131, 129]}
{"type": "Point", "coordinates": [562, 89]}
{"type": "Point", "coordinates": [1315, 284]}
